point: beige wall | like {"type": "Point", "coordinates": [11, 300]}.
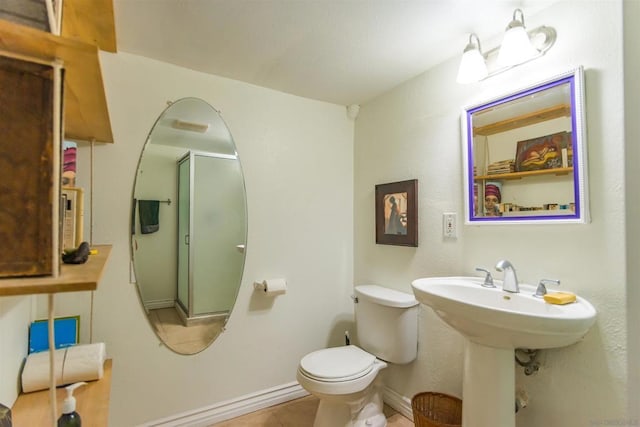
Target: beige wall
{"type": "Point", "coordinates": [298, 157]}
{"type": "Point", "coordinates": [15, 316]}
{"type": "Point", "coordinates": [632, 199]}
{"type": "Point", "coordinates": [414, 132]}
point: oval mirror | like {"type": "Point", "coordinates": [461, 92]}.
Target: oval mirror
{"type": "Point", "coordinates": [188, 226]}
{"type": "Point", "coordinates": [525, 156]}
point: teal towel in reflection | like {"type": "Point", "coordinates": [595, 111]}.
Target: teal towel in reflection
{"type": "Point", "coordinates": [149, 216]}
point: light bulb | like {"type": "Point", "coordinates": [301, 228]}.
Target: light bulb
{"type": "Point", "coordinates": [516, 46]}
{"type": "Point", "coordinates": [473, 67]}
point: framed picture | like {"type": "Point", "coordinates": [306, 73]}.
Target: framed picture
{"type": "Point", "coordinates": [397, 213]}
{"type": "Point", "coordinates": [546, 152]}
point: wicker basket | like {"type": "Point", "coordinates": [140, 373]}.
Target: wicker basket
{"type": "Point", "coordinates": [432, 409]}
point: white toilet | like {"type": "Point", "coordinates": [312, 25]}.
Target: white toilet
{"type": "Point", "coordinates": [345, 379]}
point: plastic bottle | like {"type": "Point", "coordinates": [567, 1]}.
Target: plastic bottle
{"type": "Point", "coordinates": [69, 417]}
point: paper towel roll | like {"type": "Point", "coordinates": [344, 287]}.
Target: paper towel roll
{"type": "Point", "coordinates": [273, 287]}
{"type": "Point", "coordinates": [84, 362]}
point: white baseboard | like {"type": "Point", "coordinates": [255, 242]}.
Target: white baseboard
{"type": "Point", "coordinates": [242, 405]}
{"type": "Point", "coordinates": [246, 404]}
{"type": "Point", "coordinates": [398, 402]}
{"type": "Point", "coordinates": [158, 303]}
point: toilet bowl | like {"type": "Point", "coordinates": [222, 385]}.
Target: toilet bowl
{"type": "Point", "coordinates": [346, 379]}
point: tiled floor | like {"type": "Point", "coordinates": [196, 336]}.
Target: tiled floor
{"type": "Point", "coordinates": [180, 338]}
{"type": "Point", "coordinates": [298, 413]}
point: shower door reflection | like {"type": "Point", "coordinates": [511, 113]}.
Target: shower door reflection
{"type": "Point", "coordinates": [209, 264]}
{"type": "Point", "coordinates": [184, 221]}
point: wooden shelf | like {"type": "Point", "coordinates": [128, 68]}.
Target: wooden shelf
{"type": "Point", "coordinates": [72, 278]}
{"type": "Point", "coordinates": [86, 114]}
{"type": "Point", "coordinates": [90, 21]}
{"type": "Point", "coordinates": [519, 175]}
{"type": "Point", "coordinates": [560, 110]}
{"type": "Point", "coordinates": [543, 212]}
{"type": "Point", "coordinates": [92, 403]}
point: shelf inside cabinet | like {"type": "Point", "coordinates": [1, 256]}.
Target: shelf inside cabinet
{"type": "Point", "coordinates": [519, 175]}
{"type": "Point", "coordinates": [72, 278]}
{"type": "Point", "coordinates": [544, 212]}
{"type": "Point", "coordinates": [560, 110]}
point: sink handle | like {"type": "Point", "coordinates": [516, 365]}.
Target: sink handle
{"type": "Point", "coordinates": [542, 289]}
{"type": "Point", "coordinates": [488, 280]}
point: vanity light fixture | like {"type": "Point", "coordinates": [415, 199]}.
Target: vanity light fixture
{"type": "Point", "coordinates": [516, 46]}
{"type": "Point", "coordinates": [519, 46]}
{"type": "Point", "coordinates": [190, 126]}
{"type": "Point", "coordinates": [472, 66]}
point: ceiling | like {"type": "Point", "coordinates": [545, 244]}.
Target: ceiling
{"type": "Point", "coordinates": [339, 51]}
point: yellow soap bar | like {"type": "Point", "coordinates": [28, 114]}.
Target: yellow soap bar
{"type": "Point", "coordinates": [560, 297]}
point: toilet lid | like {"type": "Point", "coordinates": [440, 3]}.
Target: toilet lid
{"type": "Point", "coordinates": [337, 363]}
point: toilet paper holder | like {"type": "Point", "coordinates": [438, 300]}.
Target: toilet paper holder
{"type": "Point", "coordinates": [260, 286]}
{"type": "Point", "coordinates": [271, 287]}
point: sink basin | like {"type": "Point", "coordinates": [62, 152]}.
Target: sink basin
{"type": "Point", "coordinates": [493, 317]}
{"type": "Point", "coordinates": [495, 323]}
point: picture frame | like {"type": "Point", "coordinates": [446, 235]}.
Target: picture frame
{"type": "Point", "coordinates": [546, 152]}
{"type": "Point", "coordinates": [396, 210]}
{"type": "Point", "coordinates": [67, 333]}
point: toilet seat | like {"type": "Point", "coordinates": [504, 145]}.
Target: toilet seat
{"type": "Point", "coordinates": [337, 364]}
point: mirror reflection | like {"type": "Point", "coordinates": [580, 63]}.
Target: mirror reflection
{"type": "Point", "coordinates": [524, 157]}
{"type": "Point", "coordinates": [189, 225]}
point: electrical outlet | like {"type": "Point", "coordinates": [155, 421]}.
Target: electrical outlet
{"type": "Point", "coordinates": [449, 225]}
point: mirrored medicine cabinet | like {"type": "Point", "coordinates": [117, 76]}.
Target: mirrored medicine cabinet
{"type": "Point", "coordinates": [524, 155]}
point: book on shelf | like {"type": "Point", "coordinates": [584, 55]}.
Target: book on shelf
{"type": "Point", "coordinates": [501, 167]}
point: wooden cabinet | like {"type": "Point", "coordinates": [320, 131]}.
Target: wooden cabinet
{"type": "Point", "coordinates": [87, 27]}
{"type": "Point", "coordinates": [30, 114]}
{"type": "Point", "coordinates": [26, 168]}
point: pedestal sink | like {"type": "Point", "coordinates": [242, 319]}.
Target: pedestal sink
{"type": "Point", "coordinates": [495, 323]}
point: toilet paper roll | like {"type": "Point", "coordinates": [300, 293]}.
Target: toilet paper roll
{"type": "Point", "coordinates": [273, 287]}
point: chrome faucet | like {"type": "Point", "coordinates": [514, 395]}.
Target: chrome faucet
{"type": "Point", "coordinates": [541, 291]}
{"type": "Point", "coordinates": [510, 280]}
{"type": "Point", "coordinates": [488, 280]}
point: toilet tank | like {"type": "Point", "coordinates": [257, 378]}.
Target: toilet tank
{"type": "Point", "coordinates": [387, 323]}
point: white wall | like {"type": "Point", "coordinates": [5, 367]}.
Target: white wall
{"type": "Point", "coordinates": [632, 199]}
{"type": "Point", "coordinates": [293, 147]}
{"type": "Point", "coordinates": [15, 317]}
{"type": "Point", "coordinates": [414, 132]}
{"type": "Point", "coordinates": [297, 155]}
